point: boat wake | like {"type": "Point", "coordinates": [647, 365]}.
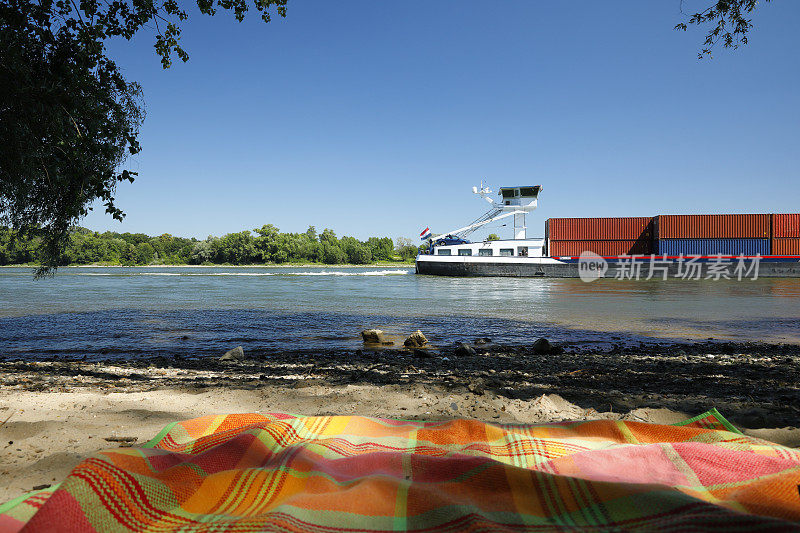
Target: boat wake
{"type": "Point", "coordinates": [396, 272]}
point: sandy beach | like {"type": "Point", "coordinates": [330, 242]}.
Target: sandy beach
{"type": "Point", "coordinates": [59, 412]}
{"type": "Point", "coordinates": [50, 432]}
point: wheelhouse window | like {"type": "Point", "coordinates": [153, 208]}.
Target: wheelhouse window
{"type": "Point", "coordinates": [486, 252]}
{"type": "Point", "coordinates": [527, 191]}
{"type": "Point", "coordinates": [464, 251]}
{"type": "Point", "coordinates": [442, 252]}
{"type": "Point", "coordinates": [507, 193]}
{"type": "Point", "coordinates": [507, 252]}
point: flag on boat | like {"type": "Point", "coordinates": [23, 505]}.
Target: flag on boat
{"type": "Point", "coordinates": [425, 233]}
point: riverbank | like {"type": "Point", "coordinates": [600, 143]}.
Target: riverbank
{"type": "Point", "coordinates": [62, 411]}
{"type": "Point", "coordinates": [403, 264]}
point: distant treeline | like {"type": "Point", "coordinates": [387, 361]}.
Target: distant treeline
{"type": "Point", "coordinates": [264, 245]}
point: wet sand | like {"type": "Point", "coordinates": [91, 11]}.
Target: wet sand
{"type": "Point", "coordinates": [59, 412]}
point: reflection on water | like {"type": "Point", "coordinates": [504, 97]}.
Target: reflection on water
{"type": "Point", "coordinates": [129, 310]}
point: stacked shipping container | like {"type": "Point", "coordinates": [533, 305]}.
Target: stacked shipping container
{"type": "Point", "coordinates": [607, 237]}
{"type": "Point", "coordinates": [673, 247]}
{"type": "Point", "coordinates": [713, 226]}
{"type": "Point", "coordinates": [786, 234]}
{"type": "Point", "coordinates": [712, 234]}
{"type": "Point", "coordinates": [602, 248]}
{"type": "Point", "coordinates": [675, 235]}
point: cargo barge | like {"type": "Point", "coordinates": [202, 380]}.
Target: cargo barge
{"type": "Point", "coordinates": [660, 247]}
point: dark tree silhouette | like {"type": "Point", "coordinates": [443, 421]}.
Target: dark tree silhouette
{"type": "Point", "coordinates": [68, 117]}
{"type": "Point", "coordinates": [729, 20]}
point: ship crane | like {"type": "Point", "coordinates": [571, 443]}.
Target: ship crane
{"type": "Point", "coordinates": [516, 202]}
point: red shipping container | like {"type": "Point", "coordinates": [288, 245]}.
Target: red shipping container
{"type": "Point", "coordinates": [606, 228]}
{"type": "Point", "coordinates": [603, 248]}
{"type": "Point", "coordinates": [786, 246]}
{"type": "Point", "coordinates": [713, 226]}
{"type": "Point", "coordinates": [786, 225]}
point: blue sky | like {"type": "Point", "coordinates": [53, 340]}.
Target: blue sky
{"type": "Point", "coordinates": [377, 118]}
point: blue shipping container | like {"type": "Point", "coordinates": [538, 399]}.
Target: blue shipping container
{"type": "Point", "coordinates": [712, 246]}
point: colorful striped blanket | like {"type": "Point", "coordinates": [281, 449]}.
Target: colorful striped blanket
{"type": "Point", "coordinates": [331, 474]}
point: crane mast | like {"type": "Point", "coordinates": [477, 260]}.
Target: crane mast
{"type": "Point", "coordinates": [516, 202]}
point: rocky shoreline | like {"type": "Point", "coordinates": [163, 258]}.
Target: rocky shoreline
{"type": "Point", "coordinates": [56, 412]}
{"type": "Point", "coordinates": [754, 385]}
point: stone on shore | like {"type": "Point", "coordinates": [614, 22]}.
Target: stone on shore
{"type": "Point", "coordinates": [415, 340]}
{"type": "Point", "coordinates": [463, 349]}
{"type": "Point", "coordinates": [544, 347]}
{"type": "Point", "coordinates": [372, 336]}
{"type": "Point", "coordinates": [476, 385]}
{"type": "Point", "coordinates": [237, 354]}
{"type": "Point", "coordinates": [422, 354]}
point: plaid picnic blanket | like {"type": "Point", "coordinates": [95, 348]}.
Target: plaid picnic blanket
{"type": "Point", "coordinates": [329, 474]}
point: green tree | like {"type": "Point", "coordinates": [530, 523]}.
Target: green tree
{"type": "Point", "coordinates": [6, 235]}
{"type": "Point", "coordinates": [237, 248]}
{"type": "Point", "coordinates": [16, 248]}
{"type": "Point", "coordinates": [291, 247]}
{"type": "Point", "coordinates": [357, 253]}
{"type": "Point", "coordinates": [311, 233]}
{"type": "Point", "coordinates": [382, 248]}
{"type": "Point", "coordinates": [493, 237]}
{"type": "Point", "coordinates": [280, 256]}
{"type": "Point", "coordinates": [405, 248]}
{"type": "Point", "coordinates": [182, 255]}
{"type": "Point", "coordinates": [144, 254]}
{"type": "Point", "coordinates": [328, 236]}
{"type": "Point", "coordinates": [307, 250]}
{"type": "Point", "coordinates": [134, 238]}
{"type": "Point", "coordinates": [266, 244]}
{"type": "Point", "coordinates": [69, 119]}
{"type": "Point", "coordinates": [332, 254]}
{"type": "Point", "coordinates": [202, 252]}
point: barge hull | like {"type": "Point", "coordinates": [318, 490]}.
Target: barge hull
{"type": "Point", "coordinates": [787, 267]}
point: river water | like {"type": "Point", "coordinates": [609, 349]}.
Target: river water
{"type": "Point", "coordinates": [97, 312]}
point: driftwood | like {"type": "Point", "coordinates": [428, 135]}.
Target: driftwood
{"type": "Point", "coordinates": [7, 419]}
{"type": "Point", "coordinates": [123, 441]}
